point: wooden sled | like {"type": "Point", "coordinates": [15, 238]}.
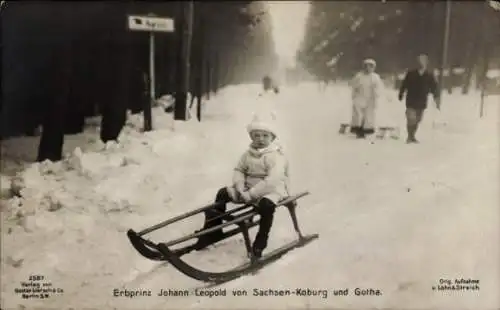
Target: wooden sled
{"type": "Point", "coordinates": [241, 223]}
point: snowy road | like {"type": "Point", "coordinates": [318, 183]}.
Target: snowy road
{"type": "Point", "coordinates": [391, 217]}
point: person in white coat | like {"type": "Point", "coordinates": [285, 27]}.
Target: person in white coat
{"type": "Point", "coordinates": [366, 89]}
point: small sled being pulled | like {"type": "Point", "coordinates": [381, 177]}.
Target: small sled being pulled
{"type": "Point", "coordinates": [381, 132]}
{"type": "Point", "coordinates": [243, 217]}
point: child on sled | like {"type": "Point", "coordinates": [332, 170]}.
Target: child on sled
{"type": "Point", "coordinates": [261, 177]}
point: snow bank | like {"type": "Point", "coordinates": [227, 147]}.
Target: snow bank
{"type": "Point", "coordinates": [113, 173]}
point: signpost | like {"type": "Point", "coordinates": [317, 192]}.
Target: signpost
{"type": "Point", "coordinates": [150, 24]}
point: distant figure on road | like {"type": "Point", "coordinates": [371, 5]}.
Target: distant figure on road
{"type": "Point", "coordinates": [366, 89]}
{"type": "Point", "coordinates": [417, 84]}
{"type": "Point", "coordinates": [268, 84]}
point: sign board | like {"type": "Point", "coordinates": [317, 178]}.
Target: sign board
{"type": "Point", "coordinates": [147, 23]}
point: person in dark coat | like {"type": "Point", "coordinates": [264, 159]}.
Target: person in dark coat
{"type": "Point", "coordinates": [417, 84]}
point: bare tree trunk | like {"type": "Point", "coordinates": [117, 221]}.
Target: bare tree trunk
{"type": "Point", "coordinates": [185, 32]}
{"type": "Point", "coordinates": [470, 61]}
{"type": "Point", "coordinates": [79, 90]}
{"type": "Point", "coordinates": [208, 74]}
{"type": "Point", "coordinates": [216, 80]}
{"type": "Point", "coordinates": [483, 78]}
{"type": "Point", "coordinates": [201, 67]}
{"type": "Point", "coordinates": [444, 56]}
{"type": "Point", "coordinates": [52, 139]}
{"type": "Point", "coordinates": [486, 51]}
{"type": "Point", "coordinates": [115, 103]}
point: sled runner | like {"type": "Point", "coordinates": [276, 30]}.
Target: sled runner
{"type": "Point", "coordinates": [393, 132]}
{"type": "Point", "coordinates": [381, 132]}
{"type": "Point", "coordinates": [244, 220]}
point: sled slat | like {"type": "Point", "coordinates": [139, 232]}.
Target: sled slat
{"type": "Point", "coordinates": [175, 219]}
{"type": "Point", "coordinates": [225, 214]}
{"type": "Point", "coordinates": [292, 198]}
{"type": "Point", "coordinates": [211, 229]}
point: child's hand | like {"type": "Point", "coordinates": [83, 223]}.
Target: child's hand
{"type": "Point", "coordinates": [246, 197]}
{"type": "Point", "coordinates": [240, 188]}
{"type": "Point", "coordinates": [233, 194]}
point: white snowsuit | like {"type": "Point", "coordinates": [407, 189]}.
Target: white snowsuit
{"type": "Point", "coordinates": [264, 173]}
{"type": "Point", "coordinates": [366, 91]}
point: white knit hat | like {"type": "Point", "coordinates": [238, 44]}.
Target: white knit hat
{"type": "Point", "coordinates": [370, 61]}
{"type": "Point", "coordinates": [264, 122]}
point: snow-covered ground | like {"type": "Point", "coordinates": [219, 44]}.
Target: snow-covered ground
{"type": "Point", "coordinates": [394, 217]}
